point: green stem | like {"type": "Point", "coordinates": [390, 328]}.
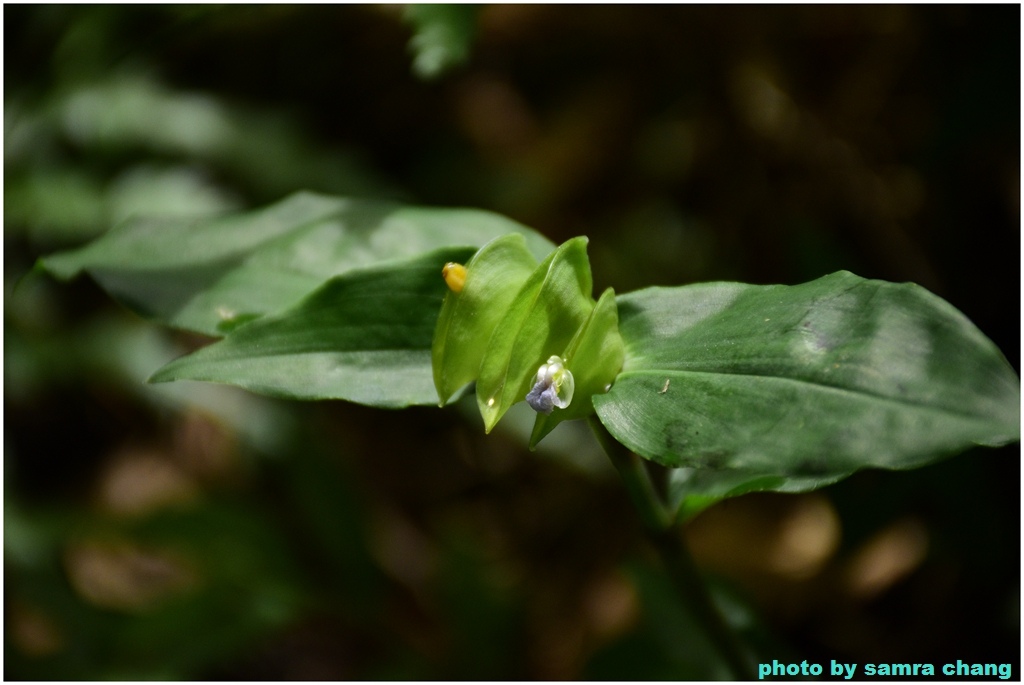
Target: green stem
{"type": "Point", "coordinates": [677, 559]}
{"type": "Point", "coordinates": [659, 521]}
{"type": "Point", "coordinates": [653, 513]}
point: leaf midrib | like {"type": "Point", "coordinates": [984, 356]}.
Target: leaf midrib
{"type": "Point", "coordinates": [822, 386]}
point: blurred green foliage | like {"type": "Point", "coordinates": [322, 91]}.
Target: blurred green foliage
{"type": "Point", "coordinates": [443, 35]}
{"type": "Point", "coordinates": [198, 532]}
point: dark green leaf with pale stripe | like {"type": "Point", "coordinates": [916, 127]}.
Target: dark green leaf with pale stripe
{"type": "Point", "coordinates": [811, 381]}
{"type": "Point", "coordinates": [363, 337]}
{"type": "Point", "coordinates": [211, 275]}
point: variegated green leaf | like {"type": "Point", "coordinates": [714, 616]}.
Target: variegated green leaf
{"type": "Point", "coordinates": [363, 337]}
{"type": "Point", "coordinates": [214, 274]}
{"type": "Point", "coordinates": [812, 381]}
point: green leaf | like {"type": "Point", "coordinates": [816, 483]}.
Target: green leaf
{"type": "Point", "coordinates": [811, 381]}
{"type": "Point", "coordinates": [363, 337]}
{"type": "Point", "coordinates": [594, 356]}
{"type": "Point", "coordinates": [211, 275]}
{"type": "Point", "coordinates": [443, 37]}
{"type": "Point", "coordinates": [468, 318]}
{"type": "Point", "coordinates": [543, 318]}
{"type": "Point", "coordinates": [692, 490]}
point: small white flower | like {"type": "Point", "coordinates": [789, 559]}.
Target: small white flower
{"type": "Point", "coordinates": [554, 387]}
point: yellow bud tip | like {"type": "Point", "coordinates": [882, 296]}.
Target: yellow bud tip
{"type": "Point", "coordinates": [454, 275]}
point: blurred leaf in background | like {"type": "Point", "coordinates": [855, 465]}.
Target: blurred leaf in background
{"type": "Point", "coordinates": [194, 531]}
{"type": "Point", "coordinates": [443, 36]}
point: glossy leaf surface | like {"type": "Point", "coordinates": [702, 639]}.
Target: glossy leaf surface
{"type": "Point", "coordinates": [363, 337]}
{"type": "Point", "coordinates": [211, 275]}
{"type": "Point", "coordinates": [815, 381]}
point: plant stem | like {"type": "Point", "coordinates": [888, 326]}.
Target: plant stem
{"type": "Point", "coordinates": [683, 572]}
{"type": "Point", "coordinates": [636, 479]}
{"type": "Point", "coordinates": [674, 554]}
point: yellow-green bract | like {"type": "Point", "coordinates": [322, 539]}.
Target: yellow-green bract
{"type": "Point", "coordinates": [511, 316]}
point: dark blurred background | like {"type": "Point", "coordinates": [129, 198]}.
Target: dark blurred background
{"type": "Point", "coordinates": [196, 531]}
